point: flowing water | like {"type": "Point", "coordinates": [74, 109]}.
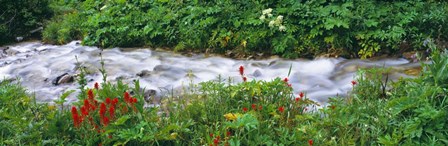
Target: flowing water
{"type": "Point", "coordinates": [37, 65]}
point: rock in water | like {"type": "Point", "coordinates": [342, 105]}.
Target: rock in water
{"type": "Point", "coordinates": [62, 79]}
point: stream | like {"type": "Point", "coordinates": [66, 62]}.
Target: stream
{"type": "Point", "coordinates": [38, 66]}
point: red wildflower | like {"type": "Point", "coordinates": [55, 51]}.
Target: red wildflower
{"type": "Point", "coordinates": [289, 85]}
{"type": "Point", "coordinates": [108, 101]}
{"type": "Point", "coordinates": [228, 133]}
{"type": "Point", "coordinates": [87, 104]}
{"type": "Point", "coordinates": [102, 109]}
{"type": "Point", "coordinates": [244, 79]}
{"type": "Point", "coordinates": [127, 97]}
{"type": "Point", "coordinates": [211, 134]}
{"type": "Point", "coordinates": [310, 142]}
{"type": "Point", "coordinates": [297, 99]}
{"type": "Point", "coordinates": [112, 112]}
{"type": "Point", "coordinates": [354, 83]}
{"type": "Point", "coordinates": [105, 121]}
{"type": "Point", "coordinates": [134, 100]}
{"type": "Point", "coordinates": [244, 109]}
{"type": "Point", "coordinates": [241, 70]}
{"type": "Point", "coordinates": [254, 106]}
{"type": "Point", "coordinates": [110, 136]}
{"type": "Point", "coordinates": [332, 107]}
{"type": "Point", "coordinates": [285, 80]}
{"type": "Point", "coordinates": [301, 94]}
{"type": "Point", "coordinates": [90, 94]}
{"type": "Point", "coordinates": [115, 101]}
{"type": "Point", "coordinates": [97, 86]}
{"type": "Point", "coordinates": [260, 107]}
{"type": "Point", "coordinates": [76, 120]}
{"type": "Point", "coordinates": [216, 141]}
{"type": "Point", "coordinates": [84, 110]}
{"type": "Point", "coordinates": [281, 109]}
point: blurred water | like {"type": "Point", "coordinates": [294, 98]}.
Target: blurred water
{"type": "Point", "coordinates": [37, 64]}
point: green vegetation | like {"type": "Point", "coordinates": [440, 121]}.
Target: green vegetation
{"type": "Point", "coordinates": [376, 112]}
{"type": "Point", "coordinates": [289, 28]}
{"type": "Point", "coordinates": [19, 17]}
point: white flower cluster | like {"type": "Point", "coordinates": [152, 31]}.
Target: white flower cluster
{"type": "Point", "coordinates": [277, 22]}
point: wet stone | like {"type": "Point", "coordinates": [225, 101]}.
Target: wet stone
{"type": "Point", "coordinates": [63, 79]}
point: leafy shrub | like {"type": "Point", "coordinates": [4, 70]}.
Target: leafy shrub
{"type": "Point", "coordinates": [18, 18]}
{"type": "Point", "coordinates": [307, 28]}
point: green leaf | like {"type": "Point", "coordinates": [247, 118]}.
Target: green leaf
{"type": "Point", "coordinates": [121, 120]}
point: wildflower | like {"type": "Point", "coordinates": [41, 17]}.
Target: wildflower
{"type": "Point", "coordinates": [84, 110]}
{"type": "Point", "coordinates": [216, 141]}
{"type": "Point", "coordinates": [332, 107]}
{"type": "Point", "coordinates": [269, 15]}
{"type": "Point", "coordinates": [102, 109]}
{"type": "Point", "coordinates": [115, 101]}
{"type": "Point", "coordinates": [127, 97]}
{"type": "Point", "coordinates": [134, 100]}
{"type": "Point", "coordinates": [285, 80]}
{"type": "Point", "coordinates": [262, 17]}
{"type": "Point", "coordinates": [76, 120]}
{"type": "Point", "coordinates": [281, 109]}
{"type": "Point", "coordinates": [310, 142]}
{"type": "Point", "coordinates": [354, 83]}
{"type": "Point", "coordinates": [244, 79]}
{"type": "Point", "coordinates": [173, 135]}
{"type": "Point", "coordinates": [211, 134]}
{"type": "Point", "coordinates": [96, 86]}
{"type": "Point", "coordinates": [279, 18]}
{"type": "Point", "coordinates": [297, 99]}
{"type": "Point", "coordinates": [282, 28]}
{"type": "Point", "coordinates": [112, 112]}
{"type": "Point", "coordinates": [245, 109]}
{"type": "Point", "coordinates": [267, 11]}
{"type": "Point", "coordinates": [108, 101]}
{"type": "Point", "coordinates": [228, 133]}
{"type": "Point", "coordinates": [260, 107]}
{"type": "Point", "coordinates": [241, 69]}
{"type": "Point", "coordinates": [271, 23]}
{"type": "Point", "coordinates": [90, 94]}
{"type": "Point", "coordinates": [254, 106]}
{"type": "Point", "coordinates": [289, 85]}
{"type": "Point", "coordinates": [301, 94]}
{"type": "Point", "coordinates": [105, 121]}
{"type": "Point", "coordinates": [110, 136]}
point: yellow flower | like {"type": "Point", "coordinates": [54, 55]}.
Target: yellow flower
{"type": "Point", "coordinates": [173, 135]}
{"type": "Point", "coordinates": [51, 107]}
{"type": "Point", "coordinates": [232, 116]}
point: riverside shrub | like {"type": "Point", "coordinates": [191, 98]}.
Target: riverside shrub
{"type": "Point", "coordinates": [289, 28]}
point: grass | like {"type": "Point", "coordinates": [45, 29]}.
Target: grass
{"type": "Point", "coordinates": [407, 112]}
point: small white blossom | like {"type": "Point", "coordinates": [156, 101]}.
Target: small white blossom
{"type": "Point", "coordinates": [262, 17]}
{"type": "Point", "coordinates": [271, 23]}
{"type": "Point", "coordinates": [267, 11]}
{"type": "Point", "coordinates": [269, 15]}
{"type": "Point", "coordinates": [282, 28]}
{"type": "Point", "coordinates": [280, 18]}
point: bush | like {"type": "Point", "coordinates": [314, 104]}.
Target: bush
{"type": "Point", "coordinates": [19, 17]}
{"type": "Point", "coordinates": [288, 28]}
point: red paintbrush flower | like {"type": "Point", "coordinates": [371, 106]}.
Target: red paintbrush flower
{"type": "Point", "coordinates": [90, 94]}
{"type": "Point", "coordinates": [281, 109]}
{"type": "Point", "coordinates": [354, 83]}
{"type": "Point", "coordinates": [96, 86]}
{"type": "Point", "coordinates": [241, 70]}
{"type": "Point", "coordinates": [244, 109]}
{"type": "Point", "coordinates": [310, 142]}
{"type": "Point", "coordinates": [75, 116]}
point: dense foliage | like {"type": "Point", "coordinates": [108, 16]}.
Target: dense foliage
{"type": "Point", "coordinates": [19, 17]}
{"type": "Point", "coordinates": [289, 28]}
{"type": "Point", "coordinates": [409, 111]}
